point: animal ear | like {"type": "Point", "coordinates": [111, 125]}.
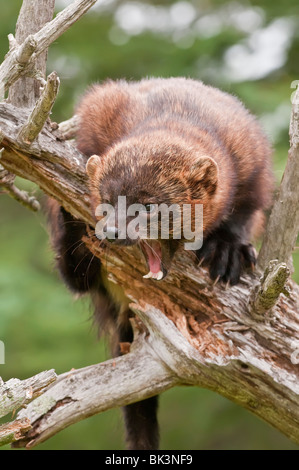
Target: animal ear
{"type": "Point", "coordinates": [203, 178]}
{"type": "Point", "coordinates": [92, 164]}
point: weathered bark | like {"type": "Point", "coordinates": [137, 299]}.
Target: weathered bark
{"type": "Point", "coordinates": [11, 432]}
{"type": "Point", "coordinates": [16, 393]}
{"type": "Point", "coordinates": [214, 347]}
{"type": "Point", "coordinates": [55, 165]}
{"type": "Point", "coordinates": [239, 342]}
{"type": "Point", "coordinates": [32, 17]}
{"type": "Point", "coordinates": [41, 111]}
{"type": "Point", "coordinates": [283, 225]}
{"type": "Point", "coordinates": [21, 59]}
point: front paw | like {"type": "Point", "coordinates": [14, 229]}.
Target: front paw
{"type": "Point", "coordinates": [226, 260]}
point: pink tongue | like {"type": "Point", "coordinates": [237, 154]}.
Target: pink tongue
{"type": "Point", "coordinates": [154, 256]}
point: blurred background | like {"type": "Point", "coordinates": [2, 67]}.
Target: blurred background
{"type": "Point", "coordinates": [249, 49]}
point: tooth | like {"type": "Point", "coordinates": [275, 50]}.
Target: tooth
{"type": "Point", "coordinates": [148, 275]}
{"type": "Point", "coordinates": [159, 275]}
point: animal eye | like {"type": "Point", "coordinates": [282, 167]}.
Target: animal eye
{"type": "Point", "coordinates": [106, 201]}
{"type": "Point", "coordinates": [150, 207]}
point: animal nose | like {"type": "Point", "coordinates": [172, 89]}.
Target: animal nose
{"type": "Point", "coordinates": [111, 234]}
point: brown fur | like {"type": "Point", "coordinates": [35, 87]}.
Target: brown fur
{"type": "Point", "coordinates": [166, 141]}
{"type": "Point", "coordinates": [150, 135]}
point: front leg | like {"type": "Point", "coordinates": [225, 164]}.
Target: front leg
{"type": "Point", "coordinates": [227, 251]}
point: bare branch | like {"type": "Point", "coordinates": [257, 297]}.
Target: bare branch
{"type": "Point", "coordinates": [162, 357]}
{"type": "Point", "coordinates": [41, 110]}
{"type": "Point", "coordinates": [33, 16]}
{"type": "Point", "coordinates": [85, 392]}
{"type": "Point", "coordinates": [56, 166]}
{"type": "Point", "coordinates": [23, 197]}
{"type": "Point", "coordinates": [20, 60]}
{"type": "Point", "coordinates": [11, 432]}
{"type": "Point", "coordinates": [12, 41]}
{"type": "Point", "coordinates": [283, 225]}
{"type": "Point", "coordinates": [15, 64]}
{"type": "Point", "coordinates": [69, 128]}
{"type": "Point", "coordinates": [16, 393]}
{"type": "Point", "coordinates": [61, 23]}
{"type": "Point", "coordinates": [7, 184]}
{"type": "Point", "coordinates": [272, 285]}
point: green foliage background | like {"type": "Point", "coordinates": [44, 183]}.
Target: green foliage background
{"type": "Point", "coordinates": [41, 325]}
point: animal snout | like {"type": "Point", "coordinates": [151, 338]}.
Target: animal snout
{"type": "Point", "coordinates": [112, 233]}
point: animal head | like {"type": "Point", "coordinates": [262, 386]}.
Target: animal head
{"type": "Point", "coordinates": [140, 183]}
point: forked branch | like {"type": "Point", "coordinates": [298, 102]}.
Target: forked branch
{"type": "Point", "coordinates": [20, 60]}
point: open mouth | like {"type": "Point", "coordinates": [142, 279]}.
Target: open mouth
{"type": "Point", "coordinates": [152, 251]}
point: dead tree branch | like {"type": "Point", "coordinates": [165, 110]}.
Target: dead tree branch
{"type": "Point", "coordinates": [21, 59]}
{"type": "Point", "coordinates": [23, 197]}
{"type": "Point", "coordinates": [16, 393]}
{"type": "Point", "coordinates": [272, 284]}
{"type": "Point", "coordinates": [11, 432]}
{"type": "Point", "coordinates": [41, 111]}
{"type": "Point", "coordinates": [33, 16]}
{"type": "Point", "coordinates": [218, 352]}
{"type": "Point", "coordinates": [68, 129]}
{"type": "Point", "coordinates": [283, 225]}
{"type": "Point", "coordinates": [55, 165]}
